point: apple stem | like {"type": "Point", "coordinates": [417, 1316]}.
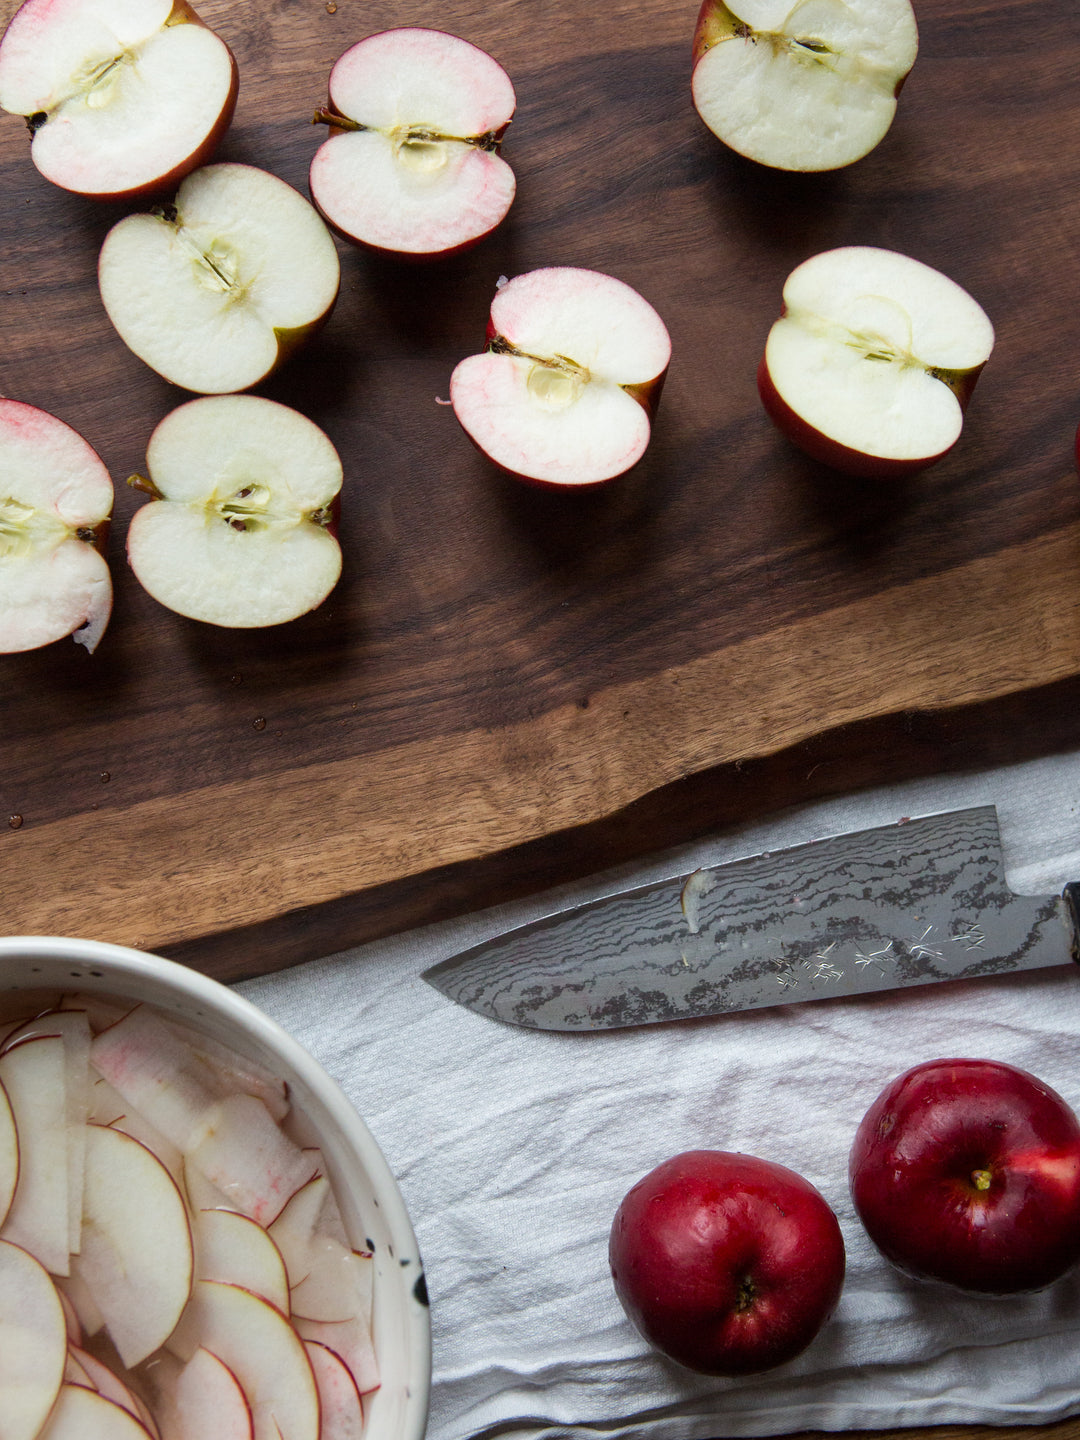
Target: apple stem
{"type": "Point", "coordinates": [746, 1293]}
{"type": "Point", "coordinates": [140, 482]}
{"type": "Point", "coordinates": [323, 116]}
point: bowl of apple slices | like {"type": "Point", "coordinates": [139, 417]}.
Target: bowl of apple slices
{"type": "Point", "coordinates": [199, 1237]}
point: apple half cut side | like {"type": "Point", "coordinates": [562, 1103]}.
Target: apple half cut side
{"type": "Point", "coordinates": [565, 391]}
{"type": "Point", "coordinates": [873, 361]}
{"type": "Point", "coordinates": [810, 86]}
{"type": "Point", "coordinates": [241, 532]}
{"type": "Point", "coordinates": [56, 498]}
{"type": "Point", "coordinates": [215, 290]}
{"type": "Point", "coordinates": [122, 99]}
{"type": "Point", "coordinates": [412, 165]}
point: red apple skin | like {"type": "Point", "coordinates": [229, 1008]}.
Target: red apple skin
{"type": "Point", "coordinates": [182, 14]}
{"type": "Point", "coordinates": [968, 1172]}
{"type": "Point", "coordinates": [726, 1263]}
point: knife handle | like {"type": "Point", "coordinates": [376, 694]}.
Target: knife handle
{"type": "Point", "coordinates": [1071, 896]}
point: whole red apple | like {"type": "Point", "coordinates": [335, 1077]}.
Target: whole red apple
{"type": "Point", "coordinates": [726, 1263]}
{"type": "Point", "coordinates": [968, 1172]}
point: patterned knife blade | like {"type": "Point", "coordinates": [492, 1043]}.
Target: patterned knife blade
{"type": "Point", "coordinates": [907, 904]}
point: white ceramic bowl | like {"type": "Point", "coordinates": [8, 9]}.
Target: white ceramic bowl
{"type": "Point", "coordinates": [371, 1204]}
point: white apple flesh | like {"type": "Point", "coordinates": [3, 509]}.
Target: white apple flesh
{"type": "Point", "coordinates": [216, 290]}
{"type": "Point", "coordinates": [136, 1258]}
{"type": "Point", "coordinates": [573, 370]}
{"type": "Point", "coordinates": [55, 501]}
{"type": "Point", "coordinates": [32, 1074]}
{"type": "Point", "coordinates": [122, 98]}
{"type": "Point", "coordinates": [412, 163]}
{"type": "Point", "coordinates": [810, 86]}
{"type": "Point", "coordinates": [873, 361]}
{"type": "Point", "coordinates": [81, 1414]}
{"type": "Point", "coordinates": [241, 531]}
{"type": "Point", "coordinates": [33, 1343]}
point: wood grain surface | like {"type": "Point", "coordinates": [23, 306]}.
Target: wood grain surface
{"type": "Point", "coordinates": [510, 687]}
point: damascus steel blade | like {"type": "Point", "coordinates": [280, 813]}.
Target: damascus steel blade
{"type": "Point", "coordinates": [913, 903]}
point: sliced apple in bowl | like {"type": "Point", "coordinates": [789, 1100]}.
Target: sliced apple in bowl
{"type": "Point", "coordinates": [412, 164]}
{"type": "Point", "coordinates": [121, 98]}
{"type": "Point", "coordinates": [56, 498]}
{"type": "Point", "coordinates": [873, 361]}
{"type": "Point", "coordinates": [215, 290]}
{"type": "Point", "coordinates": [572, 373]}
{"type": "Point", "coordinates": [241, 530]}
{"type": "Point", "coordinates": [806, 86]}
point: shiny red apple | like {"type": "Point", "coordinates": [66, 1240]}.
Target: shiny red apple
{"type": "Point", "coordinates": [968, 1172]}
{"type": "Point", "coordinates": [726, 1263]}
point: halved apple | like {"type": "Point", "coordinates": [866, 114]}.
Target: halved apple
{"type": "Point", "coordinates": [873, 361]}
{"type": "Point", "coordinates": [804, 86]}
{"type": "Point", "coordinates": [412, 165]}
{"type": "Point", "coordinates": [121, 98]}
{"type": "Point", "coordinates": [574, 365]}
{"type": "Point", "coordinates": [215, 290]}
{"type": "Point", "coordinates": [55, 501]}
{"type": "Point", "coordinates": [242, 528]}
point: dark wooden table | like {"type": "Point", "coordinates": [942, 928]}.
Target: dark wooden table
{"type": "Point", "coordinates": [512, 687]}
{"type": "Point", "coordinates": [509, 687]}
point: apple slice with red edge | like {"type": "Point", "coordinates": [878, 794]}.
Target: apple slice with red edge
{"type": "Point", "coordinates": [871, 366]}
{"type": "Point", "coordinates": [215, 290]}
{"type": "Point", "coordinates": [33, 1343]}
{"type": "Point", "coordinates": [242, 529]}
{"type": "Point", "coordinates": [351, 1342]}
{"type": "Point", "coordinates": [573, 370]}
{"type": "Point", "coordinates": [56, 498]}
{"type": "Point", "coordinates": [136, 1259]}
{"type": "Point", "coordinates": [412, 165]}
{"type": "Point", "coordinates": [9, 1155]}
{"type": "Point", "coordinates": [726, 1263]}
{"type": "Point", "coordinates": [81, 1414]}
{"type": "Point", "coordinates": [245, 1154]}
{"type": "Point", "coordinates": [342, 1413]}
{"type": "Point", "coordinates": [967, 1172]}
{"type": "Point", "coordinates": [121, 98]}
{"type": "Point", "coordinates": [264, 1352]}
{"type": "Point", "coordinates": [806, 86]}
{"type": "Point", "coordinates": [33, 1075]}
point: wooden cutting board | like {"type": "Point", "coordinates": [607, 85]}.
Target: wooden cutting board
{"type": "Point", "coordinates": [509, 686]}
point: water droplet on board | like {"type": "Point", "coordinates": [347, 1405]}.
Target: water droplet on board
{"type": "Point", "coordinates": [14, 821]}
{"type": "Point", "coordinates": [259, 724]}
{"type": "Point", "coordinates": [105, 776]}
{"type": "Point", "coordinates": [236, 679]}
{"type": "Point", "coordinates": [331, 8]}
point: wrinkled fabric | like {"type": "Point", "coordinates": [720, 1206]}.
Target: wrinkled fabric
{"type": "Point", "coordinates": [514, 1148]}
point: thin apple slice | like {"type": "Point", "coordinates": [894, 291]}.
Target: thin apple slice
{"type": "Point", "coordinates": [237, 1072]}
{"type": "Point", "coordinates": [157, 1074]}
{"type": "Point", "coordinates": [204, 1399]}
{"type": "Point", "coordinates": [9, 1155]}
{"type": "Point", "coordinates": [73, 1291]}
{"type": "Point", "coordinates": [71, 1319]}
{"type": "Point", "coordinates": [263, 1351]}
{"type": "Point", "coordinates": [873, 361]}
{"type": "Point", "coordinates": [107, 1383]}
{"type": "Point", "coordinates": [32, 1072]}
{"type": "Point", "coordinates": [574, 366]}
{"type": "Point", "coordinates": [136, 1259]}
{"type": "Point", "coordinates": [122, 98]}
{"type": "Point", "coordinates": [73, 1027]}
{"type": "Point", "coordinates": [81, 1414]}
{"type": "Point", "coordinates": [247, 1156]}
{"type": "Point", "coordinates": [412, 164]}
{"type": "Point", "coordinates": [339, 1399]}
{"type": "Point", "coordinates": [241, 532]}
{"type": "Point", "coordinates": [75, 1373]}
{"type": "Point", "coordinates": [55, 501]}
{"type": "Point", "coordinates": [351, 1342]}
{"type": "Point", "coordinates": [216, 290]}
{"type": "Point", "coordinates": [33, 1343]}
{"type": "Point", "coordinates": [804, 86]}
{"type": "Point", "coordinates": [108, 1107]}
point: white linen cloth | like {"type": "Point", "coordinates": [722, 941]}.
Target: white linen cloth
{"type": "Point", "coordinates": [513, 1149]}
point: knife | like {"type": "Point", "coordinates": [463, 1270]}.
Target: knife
{"type": "Point", "coordinates": [910, 903]}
